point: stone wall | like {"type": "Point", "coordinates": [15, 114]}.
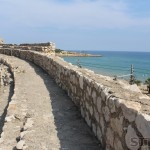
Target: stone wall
{"type": "Point", "coordinates": [119, 124]}
{"type": "Point", "coordinates": [41, 47]}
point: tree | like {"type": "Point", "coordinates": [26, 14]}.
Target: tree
{"type": "Point", "coordinates": [148, 84]}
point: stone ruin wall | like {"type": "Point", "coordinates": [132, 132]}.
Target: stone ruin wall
{"type": "Point", "coordinates": [118, 124]}
{"type": "Point", "coordinates": [41, 47]}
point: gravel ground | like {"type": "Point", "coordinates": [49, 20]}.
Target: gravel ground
{"type": "Point", "coordinates": [6, 91]}
{"type": "Point", "coordinates": [54, 122]}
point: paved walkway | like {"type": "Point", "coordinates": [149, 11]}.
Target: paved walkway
{"type": "Point", "coordinates": [41, 116]}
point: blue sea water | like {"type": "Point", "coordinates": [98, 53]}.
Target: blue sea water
{"type": "Point", "coordinates": [114, 63]}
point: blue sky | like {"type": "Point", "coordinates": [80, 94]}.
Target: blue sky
{"type": "Point", "coordinates": [78, 24]}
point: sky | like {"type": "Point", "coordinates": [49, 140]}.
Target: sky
{"type": "Point", "coordinates": [115, 25]}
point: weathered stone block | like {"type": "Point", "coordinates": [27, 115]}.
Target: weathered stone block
{"type": "Point", "coordinates": [117, 125]}
{"type": "Point", "coordinates": [81, 81]}
{"type": "Point", "coordinates": [96, 115]}
{"type": "Point", "coordinates": [110, 137]}
{"type": "Point", "coordinates": [111, 104]}
{"type": "Point", "coordinates": [106, 113]}
{"type": "Point", "coordinates": [117, 144]}
{"type": "Point", "coordinates": [129, 111]}
{"type": "Point", "coordinates": [94, 129]}
{"type": "Point", "coordinates": [87, 119]}
{"type": "Point", "coordinates": [143, 124]}
{"type": "Point", "coordinates": [99, 134]}
{"type": "Point", "coordinates": [99, 104]}
{"type": "Point", "coordinates": [94, 96]}
{"type": "Point", "coordinates": [23, 54]}
{"type": "Point", "coordinates": [131, 138]}
{"type": "Point", "coordinates": [102, 124]}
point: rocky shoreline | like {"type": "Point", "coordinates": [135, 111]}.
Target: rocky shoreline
{"type": "Point", "coordinates": [75, 54]}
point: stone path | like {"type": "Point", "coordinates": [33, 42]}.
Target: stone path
{"type": "Point", "coordinates": [41, 116]}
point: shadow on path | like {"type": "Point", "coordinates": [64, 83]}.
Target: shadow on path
{"type": "Point", "coordinates": [72, 131]}
{"type": "Point", "coordinates": [3, 115]}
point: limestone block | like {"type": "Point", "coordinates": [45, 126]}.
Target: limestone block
{"type": "Point", "coordinates": [20, 144]}
{"type": "Point", "coordinates": [28, 124]}
{"type": "Point", "coordinates": [102, 123]}
{"type": "Point", "coordinates": [106, 113]}
{"type": "Point", "coordinates": [81, 81]}
{"type": "Point", "coordinates": [96, 115]}
{"type": "Point", "coordinates": [1, 51]}
{"type": "Point", "coordinates": [88, 120]}
{"type": "Point", "coordinates": [104, 93]}
{"type": "Point", "coordinates": [30, 56]}
{"type": "Point", "coordinates": [143, 124]}
{"type": "Point", "coordinates": [131, 138]}
{"type": "Point", "coordinates": [99, 104]}
{"type": "Point", "coordinates": [8, 51]}
{"type": "Point", "coordinates": [82, 112]}
{"type": "Point", "coordinates": [145, 147]}
{"type": "Point", "coordinates": [117, 125]}
{"type": "Point", "coordinates": [94, 128]}
{"type": "Point", "coordinates": [117, 144]}
{"type": "Point", "coordinates": [94, 96]}
{"type": "Point", "coordinates": [16, 52]}
{"type": "Point", "coordinates": [99, 134]}
{"type": "Point", "coordinates": [87, 105]}
{"type": "Point", "coordinates": [111, 105]}
{"type": "Point", "coordinates": [9, 118]}
{"type": "Point", "coordinates": [118, 102]}
{"type": "Point", "coordinates": [91, 110]}
{"type": "Point", "coordinates": [89, 90]}
{"type": "Point", "coordinates": [101, 87]}
{"type": "Point", "coordinates": [96, 85]}
{"type": "Point", "coordinates": [23, 54]}
{"type": "Point", "coordinates": [110, 137]}
{"type": "Point", "coordinates": [130, 110]}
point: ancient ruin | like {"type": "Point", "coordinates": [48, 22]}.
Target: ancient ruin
{"type": "Point", "coordinates": [117, 113]}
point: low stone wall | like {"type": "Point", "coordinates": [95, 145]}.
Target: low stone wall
{"type": "Point", "coordinates": [119, 124]}
{"type": "Point", "coordinates": [37, 44]}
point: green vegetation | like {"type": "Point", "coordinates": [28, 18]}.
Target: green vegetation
{"type": "Point", "coordinates": [148, 84]}
{"type": "Point", "coordinates": [58, 51]}
{"type": "Point", "coordinates": [138, 82]}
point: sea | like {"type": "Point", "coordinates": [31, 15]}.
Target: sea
{"type": "Point", "coordinates": [116, 63]}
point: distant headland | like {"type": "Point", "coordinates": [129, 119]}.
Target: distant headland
{"type": "Point", "coordinates": [49, 47]}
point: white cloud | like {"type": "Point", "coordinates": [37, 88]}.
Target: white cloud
{"type": "Point", "coordinates": [83, 14]}
{"type": "Point", "coordinates": [76, 14]}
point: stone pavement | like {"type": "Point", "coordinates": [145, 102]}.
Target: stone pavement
{"type": "Point", "coordinates": [41, 116]}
